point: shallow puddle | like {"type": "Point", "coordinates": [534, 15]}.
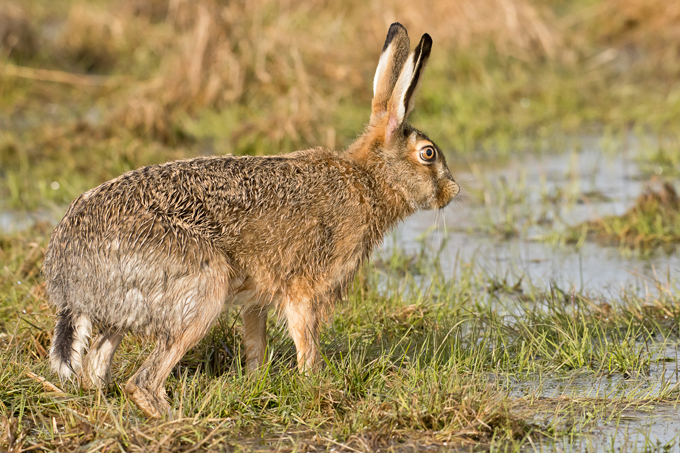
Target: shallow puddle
{"type": "Point", "coordinates": [635, 431]}
{"type": "Point", "coordinates": [15, 221]}
{"type": "Point", "coordinates": [541, 195]}
{"type": "Point", "coordinates": [641, 426]}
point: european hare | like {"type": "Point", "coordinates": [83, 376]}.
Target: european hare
{"type": "Point", "coordinates": [159, 251]}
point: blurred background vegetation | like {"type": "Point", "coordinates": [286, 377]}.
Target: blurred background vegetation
{"type": "Point", "coordinates": [91, 89]}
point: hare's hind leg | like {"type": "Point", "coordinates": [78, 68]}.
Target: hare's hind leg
{"type": "Point", "coordinates": [303, 327]}
{"type": "Point", "coordinates": [147, 386]}
{"type": "Point", "coordinates": [97, 364]}
{"type": "Point", "coordinates": [254, 335]}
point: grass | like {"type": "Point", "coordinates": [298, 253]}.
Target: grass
{"type": "Point", "coordinates": [407, 364]}
{"type": "Point", "coordinates": [653, 222]}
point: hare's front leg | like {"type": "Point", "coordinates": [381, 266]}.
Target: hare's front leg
{"type": "Point", "coordinates": [303, 327]}
{"type": "Point", "coordinates": [254, 336]}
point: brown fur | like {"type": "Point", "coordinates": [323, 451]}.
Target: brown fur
{"type": "Point", "coordinates": [160, 250]}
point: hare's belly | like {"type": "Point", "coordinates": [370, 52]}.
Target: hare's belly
{"type": "Point", "coordinates": [263, 287]}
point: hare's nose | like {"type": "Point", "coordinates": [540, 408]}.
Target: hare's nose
{"type": "Point", "coordinates": [455, 189]}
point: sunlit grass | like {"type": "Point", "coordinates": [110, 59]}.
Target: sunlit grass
{"type": "Point", "coordinates": [406, 359]}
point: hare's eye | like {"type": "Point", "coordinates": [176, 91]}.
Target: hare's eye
{"type": "Point", "coordinates": [427, 155]}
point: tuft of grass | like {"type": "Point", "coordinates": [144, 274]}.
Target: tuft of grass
{"type": "Point", "coordinates": [653, 222]}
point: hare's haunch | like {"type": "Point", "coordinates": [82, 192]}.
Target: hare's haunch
{"type": "Point", "coordinates": [160, 250]}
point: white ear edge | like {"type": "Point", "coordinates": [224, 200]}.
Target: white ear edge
{"type": "Point", "coordinates": [385, 58]}
{"type": "Point", "coordinates": [412, 101]}
{"type": "Point", "coordinates": [401, 87]}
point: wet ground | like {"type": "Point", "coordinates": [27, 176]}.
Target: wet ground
{"type": "Point", "coordinates": [509, 226]}
{"type": "Point", "coordinates": [542, 196]}
{"type": "Point", "coordinates": [526, 202]}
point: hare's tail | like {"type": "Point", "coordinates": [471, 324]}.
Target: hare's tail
{"type": "Point", "coordinates": [70, 339]}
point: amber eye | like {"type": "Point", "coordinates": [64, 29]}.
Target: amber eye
{"type": "Point", "coordinates": [427, 155]}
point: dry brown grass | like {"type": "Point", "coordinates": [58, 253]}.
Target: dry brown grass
{"type": "Point", "coordinates": [514, 27]}
{"type": "Point", "coordinates": [91, 39]}
{"type": "Point", "coordinates": [17, 36]}
{"type": "Point", "coordinates": [642, 35]}
{"type": "Point", "coordinates": [291, 62]}
{"type": "Point", "coordinates": [650, 23]}
{"type": "Point", "coordinates": [245, 52]}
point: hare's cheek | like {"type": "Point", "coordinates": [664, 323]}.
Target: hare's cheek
{"type": "Point", "coordinates": [430, 197]}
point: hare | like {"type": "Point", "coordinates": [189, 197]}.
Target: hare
{"type": "Point", "coordinates": [160, 250]}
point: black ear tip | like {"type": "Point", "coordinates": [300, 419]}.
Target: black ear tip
{"type": "Point", "coordinates": [396, 26]}
{"type": "Point", "coordinates": [426, 42]}
{"type": "Point", "coordinates": [395, 29]}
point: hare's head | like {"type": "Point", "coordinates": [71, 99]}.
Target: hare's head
{"type": "Point", "coordinates": [408, 159]}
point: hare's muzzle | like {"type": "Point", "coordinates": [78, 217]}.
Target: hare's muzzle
{"type": "Point", "coordinates": [448, 189]}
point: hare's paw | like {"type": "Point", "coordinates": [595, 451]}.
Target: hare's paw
{"type": "Point", "coordinates": [91, 382]}
{"type": "Point", "coordinates": [153, 406]}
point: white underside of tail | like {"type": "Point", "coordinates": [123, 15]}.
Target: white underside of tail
{"type": "Point", "coordinates": [81, 337]}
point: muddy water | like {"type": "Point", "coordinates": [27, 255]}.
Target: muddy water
{"type": "Point", "coordinates": [635, 431]}
{"type": "Point", "coordinates": [550, 192]}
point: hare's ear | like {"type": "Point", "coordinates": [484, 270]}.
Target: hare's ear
{"type": "Point", "coordinates": [392, 59]}
{"type": "Point", "coordinates": [402, 99]}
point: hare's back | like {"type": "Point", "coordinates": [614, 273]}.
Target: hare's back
{"type": "Point", "coordinates": [213, 203]}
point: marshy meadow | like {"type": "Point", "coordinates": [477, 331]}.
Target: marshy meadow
{"type": "Point", "coordinates": [538, 312]}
